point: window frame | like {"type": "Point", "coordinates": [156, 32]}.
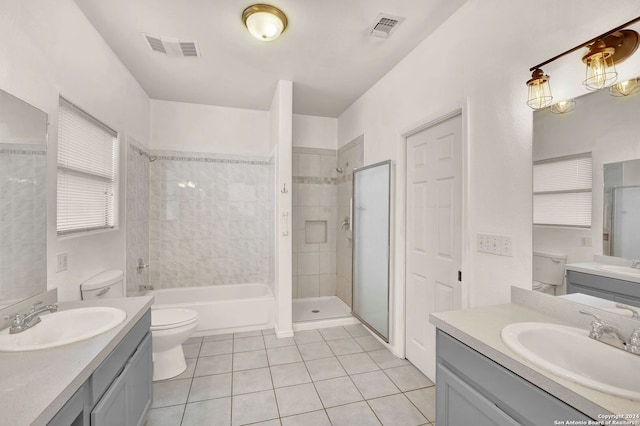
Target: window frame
{"type": "Point", "coordinates": [62, 169]}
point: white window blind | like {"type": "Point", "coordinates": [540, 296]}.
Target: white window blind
{"type": "Point", "coordinates": [562, 191]}
{"type": "Point", "coordinates": [87, 169]}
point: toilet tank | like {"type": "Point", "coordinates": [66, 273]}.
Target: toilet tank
{"type": "Point", "coordinates": [548, 268]}
{"type": "Point", "coordinates": [105, 285]}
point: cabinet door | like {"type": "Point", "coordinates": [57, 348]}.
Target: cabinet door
{"type": "Point", "coordinates": [73, 412]}
{"type": "Point", "coordinates": [139, 383]}
{"type": "Point", "coordinates": [457, 403]}
{"type": "Point", "coordinates": [112, 408]}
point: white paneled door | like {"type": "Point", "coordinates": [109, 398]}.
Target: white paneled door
{"type": "Point", "coordinates": [434, 194]}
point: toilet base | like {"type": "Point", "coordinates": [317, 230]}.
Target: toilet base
{"type": "Point", "coordinates": [169, 363]}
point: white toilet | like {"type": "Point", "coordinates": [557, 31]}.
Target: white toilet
{"type": "Point", "coordinates": [170, 327]}
{"type": "Point", "coordinates": [548, 271]}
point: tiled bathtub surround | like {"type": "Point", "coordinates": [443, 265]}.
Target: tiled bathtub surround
{"type": "Point", "coordinates": [138, 167]}
{"type": "Point", "coordinates": [209, 219]}
{"type": "Point", "coordinates": [23, 233]}
{"type": "Point", "coordinates": [353, 152]}
{"type": "Point", "coordinates": [314, 199]}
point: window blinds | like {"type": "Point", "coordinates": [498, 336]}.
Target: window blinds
{"type": "Point", "coordinates": [87, 168]}
{"type": "Point", "coordinates": [562, 191]}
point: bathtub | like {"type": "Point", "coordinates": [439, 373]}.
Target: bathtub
{"type": "Point", "coordinates": [222, 308]}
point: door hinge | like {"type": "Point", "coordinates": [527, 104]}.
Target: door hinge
{"type": "Point", "coordinates": [460, 276]}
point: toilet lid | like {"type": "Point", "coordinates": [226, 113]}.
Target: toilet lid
{"type": "Point", "coordinates": [171, 317]}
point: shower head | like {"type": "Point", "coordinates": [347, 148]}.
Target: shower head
{"type": "Point", "coordinates": [343, 168]}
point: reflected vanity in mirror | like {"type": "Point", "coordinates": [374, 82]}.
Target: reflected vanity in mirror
{"type": "Point", "coordinates": [23, 200]}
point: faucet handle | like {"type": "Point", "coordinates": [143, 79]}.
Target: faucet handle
{"type": "Point", "coordinates": [15, 317]}
{"type": "Point", "coordinates": [634, 311]}
{"type": "Point", "coordinates": [596, 325]}
{"type": "Point", "coordinates": [633, 345]}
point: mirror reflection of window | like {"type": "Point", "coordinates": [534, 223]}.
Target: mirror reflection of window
{"type": "Point", "coordinates": [621, 209]}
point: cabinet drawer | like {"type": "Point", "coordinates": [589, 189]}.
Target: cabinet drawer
{"type": "Point", "coordinates": [519, 399]}
{"type": "Point", "coordinates": [115, 362]}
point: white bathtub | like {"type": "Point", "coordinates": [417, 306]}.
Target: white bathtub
{"type": "Point", "coordinates": [222, 308]}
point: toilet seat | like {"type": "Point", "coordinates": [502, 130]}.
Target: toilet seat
{"type": "Point", "coordinates": [167, 318]}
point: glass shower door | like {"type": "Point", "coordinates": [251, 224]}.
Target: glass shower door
{"type": "Point", "coordinates": [371, 204]}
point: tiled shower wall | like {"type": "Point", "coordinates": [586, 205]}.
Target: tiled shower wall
{"type": "Point", "coordinates": [353, 153]}
{"type": "Point", "coordinates": [23, 224]}
{"type": "Point", "coordinates": [210, 217]}
{"type": "Point", "coordinates": [138, 167]}
{"type": "Point", "coordinates": [314, 205]}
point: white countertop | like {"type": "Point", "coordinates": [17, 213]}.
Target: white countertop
{"type": "Point", "coordinates": [593, 269]}
{"type": "Point", "coordinates": [35, 385]}
{"type": "Point", "coordinates": [479, 328]}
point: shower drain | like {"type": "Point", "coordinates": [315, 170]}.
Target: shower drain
{"type": "Point", "coordinates": [315, 311]}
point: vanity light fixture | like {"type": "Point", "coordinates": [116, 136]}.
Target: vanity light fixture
{"type": "Point", "coordinates": [539, 90]}
{"type": "Point", "coordinates": [625, 88]}
{"type": "Point", "coordinates": [601, 70]}
{"type": "Point", "coordinates": [563, 107]}
{"type": "Point", "coordinates": [604, 52]}
{"type": "Point", "coordinates": [264, 22]}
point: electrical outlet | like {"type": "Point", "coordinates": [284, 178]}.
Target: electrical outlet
{"type": "Point", "coordinates": [586, 241]}
{"type": "Point", "coordinates": [62, 260]}
{"type": "Point", "coordinates": [506, 248]}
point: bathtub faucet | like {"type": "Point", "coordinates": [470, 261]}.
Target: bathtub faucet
{"type": "Point", "coordinates": [145, 287]}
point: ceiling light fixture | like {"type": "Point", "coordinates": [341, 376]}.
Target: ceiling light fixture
{"type": "Point", "coordinates": [625, 88]}
{"type": "Point", "coordinates": [264, 22]}
{"type": "Point", "coordinates": [563, 107]}
{"type": "Point", "coordinates": [539, 90]}
{"type": "Point", "coordinates": [604, 52]}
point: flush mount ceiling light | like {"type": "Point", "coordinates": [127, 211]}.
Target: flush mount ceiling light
{"type": "Point", "coordinates": [625, 88]}
{"type": "Point", "coordinates": [539, 90]}
{"type": "Point", "coordinates": [563, 107]}
{"type": "Point", "coordinates": [604, 52]}
{"type": "Point", "coordinates": [264, 22]}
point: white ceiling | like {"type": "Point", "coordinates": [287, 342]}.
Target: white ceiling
{"type": "Point", "coordinates": [326, 50]}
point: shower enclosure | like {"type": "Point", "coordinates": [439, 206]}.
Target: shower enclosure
{"type": "Point", "coordinates": [322, 237]}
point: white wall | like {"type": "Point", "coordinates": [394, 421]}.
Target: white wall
{"type": "Point", "coordinates": [280, 137]}
{"type": "Point", "coordinates": [315, 132]}
{"type": "Point", "coordinates": [479, 59]}
{"type": "Point", "coordinates": [179, 126]}
{"type": "Point", "coordinates": [49, 48]}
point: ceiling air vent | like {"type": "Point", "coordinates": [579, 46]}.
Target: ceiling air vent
{"type": "Point", "coordinates": [172, 46]}
{"type": "Point", "coordinates": [385, 25]}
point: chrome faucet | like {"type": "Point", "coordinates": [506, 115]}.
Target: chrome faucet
{"type": "Point", "coordinates": [635, 263]}
{"type": "Point", "coordinates": [24, 322]}
{"type": "Point", "coordinates": [609, 334]}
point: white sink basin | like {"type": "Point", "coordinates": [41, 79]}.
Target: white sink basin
{"type": "Point", "coordinates": [626, 270]}
{"type": "Point", "coordinates": [62, 328]}
{"type": "Point", "coordinates": [570, 353]}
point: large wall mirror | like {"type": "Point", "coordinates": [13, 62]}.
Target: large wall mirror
{"type": "Point", "coordinates": [602, 132]}
{"type": "Point", "coordinates": [23, 200]}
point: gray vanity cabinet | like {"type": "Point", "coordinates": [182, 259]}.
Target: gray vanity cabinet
{"type": "Point", "coordinates": [129, 397]}
{"type": "Point", "coordinates": [472, 389]}
{"type": "Point", "coordinates": [627, 292]}
{"type": "Point", "coordinates": [119, 392]}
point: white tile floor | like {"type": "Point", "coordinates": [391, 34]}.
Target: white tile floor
{"type": "Point", "coordinates": [332, 376]}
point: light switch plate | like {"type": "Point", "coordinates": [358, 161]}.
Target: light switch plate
{"type": "Point", "coordinates": [62, 260]}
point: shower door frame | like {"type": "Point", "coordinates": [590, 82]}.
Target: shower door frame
{"type": "Point", "coordinates": [353, 250]}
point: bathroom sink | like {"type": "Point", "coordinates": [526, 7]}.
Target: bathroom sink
{"type": "Point", "coordinates": [626, 270]}
{"type": "Point", "coordinates": [570, 353]}
{"type": "Point", "coordinates": [62, 328]}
